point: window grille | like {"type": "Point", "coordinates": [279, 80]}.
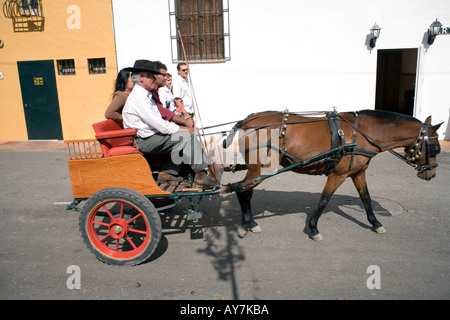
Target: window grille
{"type": "Point", "coordinates": [66, 67]}
{"type": "Point", "coordinates": [97, 65]}
{"type": "Point", "coordinates": [204, 29]}
{"type": "Point", "coordinates": [26, 15]}
{"type": "Point", "coordinates": [29, 8]}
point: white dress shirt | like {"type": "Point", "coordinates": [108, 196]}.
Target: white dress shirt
{"type": "Point", "coordinates": [182, 89]}
{"type": "Point", "coordinates": [166, 97]}
{"type": "Point", "coordinates": [141, 113]}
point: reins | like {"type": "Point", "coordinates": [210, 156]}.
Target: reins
{"type": "Point", "coordinates": [313, 113]}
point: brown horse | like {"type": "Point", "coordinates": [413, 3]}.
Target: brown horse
{"type": "Point", "coordinates": [302, 144]}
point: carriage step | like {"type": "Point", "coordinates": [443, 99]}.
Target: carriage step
{"type": "Point", "coordinates": [173, 186]}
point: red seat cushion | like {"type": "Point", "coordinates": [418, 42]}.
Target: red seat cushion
{"type": "Point", "coordinates": [116, 151]}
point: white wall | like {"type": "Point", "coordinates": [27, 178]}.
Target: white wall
{"type": "Point", "coordinates": [297, 54]}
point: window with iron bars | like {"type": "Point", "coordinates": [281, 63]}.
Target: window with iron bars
{"type": "Point", "coordinates": [199, 29]}
{"type": "Point", "coordinates": [97, 65]}
{"type": "Point", "coordinates": [66, 67]}
{"type": "Point", "coordinates": [29, 7]}
{"type": "Point", "coordinates": [22, 8]}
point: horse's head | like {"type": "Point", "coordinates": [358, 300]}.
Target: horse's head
{"type": "Point", "coordinates": [422, 154]}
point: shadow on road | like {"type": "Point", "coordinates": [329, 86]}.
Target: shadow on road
{"type": "Point", "coordinates": [222, 216]}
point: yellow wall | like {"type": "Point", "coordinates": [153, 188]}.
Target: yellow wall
{"type": "Point", "coordinates": [83, 97]}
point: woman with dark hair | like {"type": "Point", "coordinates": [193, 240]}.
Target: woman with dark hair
{"type": "Point", "coordinates": [123, 87]}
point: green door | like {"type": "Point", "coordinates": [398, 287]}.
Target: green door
{"type": "Point", "coordinates": [40, 99]}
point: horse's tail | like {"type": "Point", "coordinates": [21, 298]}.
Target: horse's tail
{"type": "Point", "coordinates": [227, 142]}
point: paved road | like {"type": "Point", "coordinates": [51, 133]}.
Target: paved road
{"type": "Point", "coordinates": [39, 240]}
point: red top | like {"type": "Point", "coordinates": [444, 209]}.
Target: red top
{"type": "Point", "coordinates": [166, 114]}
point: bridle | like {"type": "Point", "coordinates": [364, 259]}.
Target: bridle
{"type": "Point", "coordinates": [414, 152]}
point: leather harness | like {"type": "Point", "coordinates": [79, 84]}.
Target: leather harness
{"type": "Point", "coordinates": [338, 143]}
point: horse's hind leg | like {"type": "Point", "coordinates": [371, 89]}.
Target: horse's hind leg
{"type": "Point", "coordinates": [248, 223]}
{"type": "Point", "coordinates": [333, 182]}
{"type": "Point", "coordinates": [361, 185]}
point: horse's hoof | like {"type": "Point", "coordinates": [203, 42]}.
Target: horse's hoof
{"type": "Point", "coordinates": [380, 230]}
{"type": "Point", "coordinates": [242, 232]}
{"type": "Point", "coordinates": [256, 229]}
{"type": "Point", "coordinates": [317, 237]}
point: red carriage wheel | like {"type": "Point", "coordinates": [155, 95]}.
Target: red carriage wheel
{"type": "Point", "coordinates": [120, 226]}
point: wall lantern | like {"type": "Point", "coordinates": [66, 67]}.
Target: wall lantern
{"type": "Point", "coordinates": [433, 31]}
{"type": "Point", "coordinates": [374, 34]}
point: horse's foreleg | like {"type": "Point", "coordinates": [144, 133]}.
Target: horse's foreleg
{"type": "Point", "coordinates": [248, 223]}
{"type": "Point", "coordinates": [361, 185]}
{"type": "Point", "coordinates": [333, 182]}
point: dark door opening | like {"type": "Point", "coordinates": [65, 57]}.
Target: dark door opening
{"type": "Point", "coordinates": [40, 99]}
{"type": "Point", "coordinates": [396, 80]}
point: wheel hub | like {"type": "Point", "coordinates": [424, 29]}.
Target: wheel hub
{"type": "Point", "coordinates": [118, 228]}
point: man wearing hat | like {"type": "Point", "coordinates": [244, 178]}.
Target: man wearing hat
{"type": "Point", "coordinates": [158, 136]}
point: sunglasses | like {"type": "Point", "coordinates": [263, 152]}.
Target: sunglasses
{"type": "Point", "coordinates": [184, 70]}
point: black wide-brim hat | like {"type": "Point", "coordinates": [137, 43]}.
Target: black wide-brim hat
{"type": "Point", "coordinates": [145, 66]}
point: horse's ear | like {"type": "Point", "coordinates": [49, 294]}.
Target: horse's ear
{"type": "Point", "coordinates": [436, 127]}
{"type": "Point", "coordinates": [428, 121]}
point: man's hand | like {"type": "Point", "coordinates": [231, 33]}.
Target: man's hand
{"type": "Point", "coordinates": [189, 122]}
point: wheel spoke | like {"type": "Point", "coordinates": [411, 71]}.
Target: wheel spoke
{"type": "Point", "coordinates": [131, 242]}
{"type": "Point", "coordinates": [121, 210]}
{"type": "Point", "coordinates": [108, 212]}
{"type": "Point", "coordinates": [117, 244]}
{"type": "Point", "coordinates": [134, 218]}
{"type": "Point", "coordinates": [102, 239]}
{"type": "Point", "coordinates": [139, 231]}
{"type": "Point", "coordinates": [101, 223]}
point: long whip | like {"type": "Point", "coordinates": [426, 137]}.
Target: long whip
{"type": "Point", "coordinates": [192, 86]}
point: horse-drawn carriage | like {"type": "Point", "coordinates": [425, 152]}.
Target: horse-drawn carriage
{"type": "Point", "coordinates": [120, 221]}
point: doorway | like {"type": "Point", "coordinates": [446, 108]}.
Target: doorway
{"type": "Point", "coordinates": [40, 99]}
{"type": "Point", "coordinates": [396, 80]}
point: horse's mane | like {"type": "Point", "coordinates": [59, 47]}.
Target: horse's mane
{"type": "Point", "coordinates": [388, 115]}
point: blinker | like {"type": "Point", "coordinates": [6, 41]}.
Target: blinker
{"type": "Point", "coordinates": [435, 149]}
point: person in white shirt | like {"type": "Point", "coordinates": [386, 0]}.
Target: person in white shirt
{"type": "Point", "coordinates": [158, 136]}
{"type": "Point", "coordinates": [182, 91]}
{"type": "Point", "coordinates": [166, 95]}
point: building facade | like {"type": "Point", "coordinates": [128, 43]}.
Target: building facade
{"type": "Point", "coordinates": [296, 54]}
{"type": "Point", "coordinates": [57, 67]}
{"type": "Point", "coordinates": [245, 56]}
